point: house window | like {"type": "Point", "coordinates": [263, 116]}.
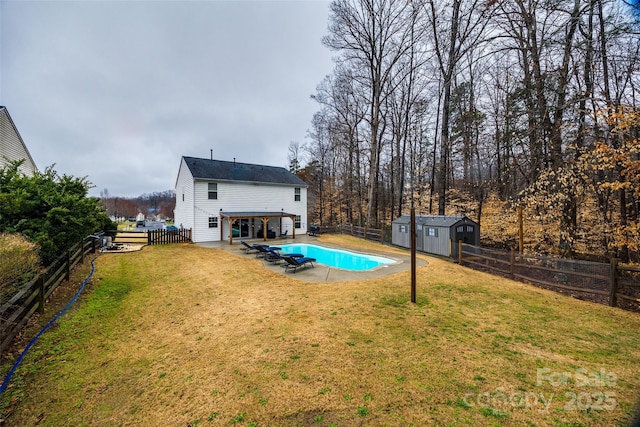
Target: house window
{"type": "Point", "coordinates": [213, 222]}
{"type": "Point", "coordinates": [298, 220]}
{"type": "Point", "coordinates": [433, 232]}
{"type": "Point", "coordinates": [213, 191]}
{"type": "Point", "coordinates": [297, 195]}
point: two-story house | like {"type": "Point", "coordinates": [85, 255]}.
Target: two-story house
{"type": "Point", "coordinates": [222, 200]}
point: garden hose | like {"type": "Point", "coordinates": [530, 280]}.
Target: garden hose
{"type": "Point", "coordinates": [5, 383]}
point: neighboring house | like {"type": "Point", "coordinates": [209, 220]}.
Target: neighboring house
{"type": "Point", "coordinates": [222, 200]}
{"type": "Point", "coordinates": [436, 234]}
{"type": "Point", "coordinates": [12, 146]}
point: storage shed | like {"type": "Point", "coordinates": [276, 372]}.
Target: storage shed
{"type": "Point", "coordinates": [436, 234]}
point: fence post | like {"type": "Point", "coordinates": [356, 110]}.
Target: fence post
{"type": "Point", "coordinates": [68, 274]}
{"type": "Point", "coordinates": [365, 232]}
{"type": "Point", "coordinates": [82, 251]}
{"type": "Point", "coordinates": [512, 261]}
{"type": "Point", "coordinates": [41, 294]}
{"type": "Point", "coordinates": [614, 282]}
{"type": "Point", "coordinates": [460, 252]}
{"type": "Point", "coordinates": [382, 235]}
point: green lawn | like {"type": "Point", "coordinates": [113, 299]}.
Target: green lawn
{"type": "Point", "coordinates": [183, 335]}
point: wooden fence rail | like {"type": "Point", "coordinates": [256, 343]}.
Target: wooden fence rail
{"type": "Point", "coordinates": [610, 284]}
{"type": "Point", "coordinates": [15, 313]}
{"type": "Point", "coordinates": [374, 234]}
{"type": "Point", "coordinates": [154, 237]}
{"type": "Point", "coordinates": [164, 237]}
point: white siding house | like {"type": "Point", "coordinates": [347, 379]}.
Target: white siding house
{"type": "Point", "coordinates": [12, 146]}
{"type": "Point", "coordinates": [222, 200]}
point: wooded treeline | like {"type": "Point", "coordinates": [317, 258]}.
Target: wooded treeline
{"type": "Point", "coordinates": [521, 102]}
{"type": "Point", "coordinates": [156, 205]}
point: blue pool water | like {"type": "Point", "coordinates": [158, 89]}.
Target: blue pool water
{"type": "Point", "coordinates": [337, 257]}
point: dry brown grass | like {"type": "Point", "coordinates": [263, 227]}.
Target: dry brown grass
{"type": "Point", "coordinates": [182, 335]}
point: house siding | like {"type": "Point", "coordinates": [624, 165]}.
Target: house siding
{"type": "Point", "coordinates": [183, 213]}
{"type": "Point", "coordinates": [243, 197]}
{"type": "Point", "coordinates": [240, 188]}
{"type": "Point", "coordinates": [11, 145]}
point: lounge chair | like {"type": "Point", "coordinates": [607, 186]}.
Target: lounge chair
{"type": "Point", "coordinates": [249, 249]}
{"type": "Point", "coordinates": [274, 256]}
{"type": "Point", "coordinates": [264, 249]}
{"type": "Point", "coordinates": [295, 263]}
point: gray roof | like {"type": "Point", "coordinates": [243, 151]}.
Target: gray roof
{"type": "Point", "coordinates": [434, 220]}
{"type": "Point", "coordinates": [219, 170]}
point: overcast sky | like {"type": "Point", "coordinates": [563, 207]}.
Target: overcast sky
{"type": "Point", "coordinates": [118, 91]}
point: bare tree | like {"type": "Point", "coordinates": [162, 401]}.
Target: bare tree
{"type": "Point", "coordinates": [456, 29]}
{"type": "Point", "coordinates": [373, 36]}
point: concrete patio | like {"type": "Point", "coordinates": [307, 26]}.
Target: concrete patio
{"type": "Point", "coordinates": [320, 272]}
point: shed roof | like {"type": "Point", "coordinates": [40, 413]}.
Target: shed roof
{"type": "Point", "coordinates": [434, 220]}
{"type": "Point", "coordinates": [220, 170]}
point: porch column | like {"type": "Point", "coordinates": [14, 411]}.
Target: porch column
{"type": "Point", "coordinates": [230, 231]}
{"type": "Point", "coordinates": [265, 220]}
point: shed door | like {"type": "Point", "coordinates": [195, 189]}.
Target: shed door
{"type": "Point", "coordinates": [466, 233]}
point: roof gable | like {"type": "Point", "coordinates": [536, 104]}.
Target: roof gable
{"type": "Point", "coordinates": [12, 147]}
{"type": "Point", "coordinates": [219, 170]}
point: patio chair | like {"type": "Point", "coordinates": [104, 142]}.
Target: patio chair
{"type": "Point", "coordinates": [248, 249]}
{"type": "Point", "coordinates": [264, 249]}
{"type": "Point", "coordinates": [295, 263]}
{"type": "Point", "coordinates": [273, 256]}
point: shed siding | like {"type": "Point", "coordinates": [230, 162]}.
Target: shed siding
{"type": "Point", "coordinates": [445, 243]}
{"type": "Point", "coordinates": [400, 238]}
{"type": "Point", "coordinates": [12, 147]}
{"type": "Point", "coordinates": [436, 244]}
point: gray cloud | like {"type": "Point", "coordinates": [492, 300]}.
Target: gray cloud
{"type": "Point", "coordinates": [119, 91]}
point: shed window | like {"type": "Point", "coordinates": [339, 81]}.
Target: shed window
{"type": "Point", "coordinates": [460, 229]}
{"type": "Point", "coordinates": [213, 222]}
{"type": "Point", "coordinates": [296, 196]}
{"type": "Point", "coordinates": [404, 229]}
{"type": "Point", "coordinates": [469, 228]}
{"type": "Point", "coordinates": [433, 232]}
{"type": "Point", "coordinates": [213, 191]}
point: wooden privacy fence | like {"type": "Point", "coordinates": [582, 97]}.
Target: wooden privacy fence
{"type": "Point", "coordinates": [380, 235]}
{"type": "Point", "coordinates": [603, 283]}
{"type": "Point", "coordinates": [15, 313]}
{"type": "Point", "coordinates": [165, 237]}
{"type": "Point", "coordinates": [154, 237]}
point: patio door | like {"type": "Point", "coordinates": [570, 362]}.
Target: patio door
{"type": "Point", "coordinates": [240, 228]}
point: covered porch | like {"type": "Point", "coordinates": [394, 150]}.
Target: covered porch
{"type": "Point", "coordinates": [243, 225]}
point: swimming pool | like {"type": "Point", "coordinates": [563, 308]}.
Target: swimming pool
{"type": "Point", "coordinates": [338, 258]}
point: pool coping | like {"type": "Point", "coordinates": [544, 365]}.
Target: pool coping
{"type": "Point", "coordinates": [323, 273]}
